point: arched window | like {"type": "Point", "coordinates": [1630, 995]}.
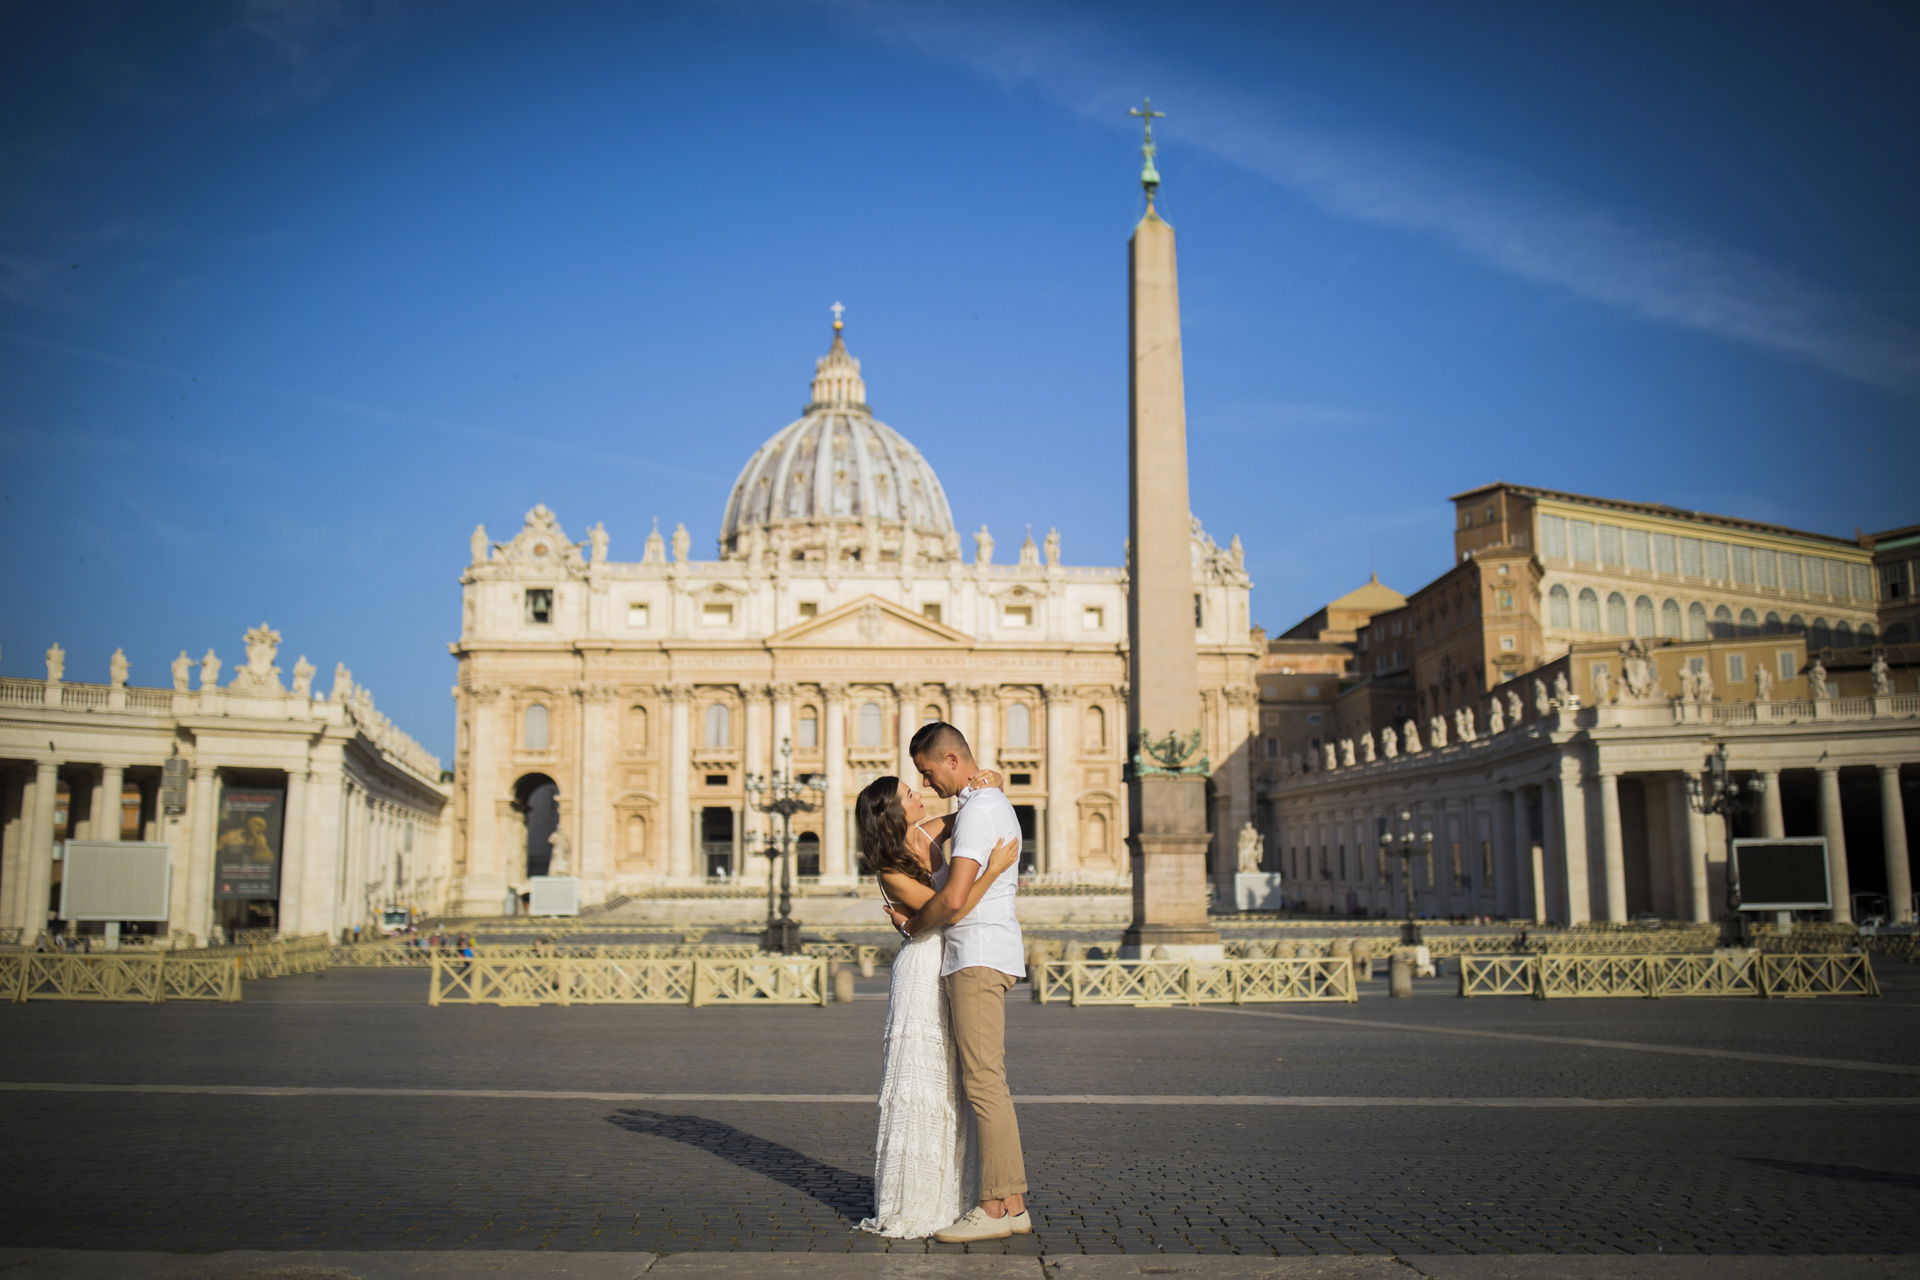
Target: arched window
{"type": "Point", "coordinates": [1773, 626]}
{"type": "Point", "coordinates": [1821, 636]}
{"type": "Point", "coordinates": [1643, 616]}
{"type": "Point", "coordinates": [1843, 635]}
{"type": "Point", "coordinates": [1796, 625]}
{"type": "Point", "coordinates": [1868, 636]}
{"type": "Point", "coordinates": [1897, 633]}
{"type": "Point", "coordinates": [1670, 619]}
{"type": "Point", "coordinates": [1019, 726]}
{"type": "Point", "coordinates": [930, 713]}
{"type": "Point", "coordinates": [719, 725]}
{"type": "Point", "coordinates": [1749, 623]}
{"type": "Point", "coordinates": [636, 730]}
{"type": "Point", "coordinates": [1095, 728]}
{"type": "Point", "coordinates": [1616, 613]}
{"type": "Point", "coordinates": [869, 731]}
{"type": "Point", "coordinates": [1696, 621]}
{"type": "Point", "coordinates": [1589, 610]}
{"type": "Point", "coordinates": [1722, 622]}
{"type": "Point", "coordinates": [534, 727]}
{"type": "Point", "coordinates": [808, 736]}
{"type": "Point", "coordinates": [1559, 607]}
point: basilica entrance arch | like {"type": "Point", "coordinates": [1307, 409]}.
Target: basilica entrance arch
{"type": "Point", "coordinates": [536, 802]}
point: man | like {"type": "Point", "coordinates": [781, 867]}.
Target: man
{"type": "Point", "coordinates": [982, 960]}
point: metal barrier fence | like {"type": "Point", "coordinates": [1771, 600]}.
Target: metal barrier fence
{"type": "Point", "coordinates": [142, 979]}
{"type": "Point", "coordinates": [1748, 973]}
{"type": "Point", "coordinates": [398, 953]}
{"type": "Point", "coordinates": [1167, 982]}
{"type": "Point", "coordinates": [1904, 947]}
{"type": "Point", "coordinates": [278, 959]}
{"type": "Point", "coordinates": [569, 980]}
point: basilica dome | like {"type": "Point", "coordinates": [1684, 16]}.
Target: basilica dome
{"type": "Point", "coordinates": [839, 478]}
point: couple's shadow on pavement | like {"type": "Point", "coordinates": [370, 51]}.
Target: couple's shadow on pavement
{"type": "Point", "coordinates": [848, 1194]}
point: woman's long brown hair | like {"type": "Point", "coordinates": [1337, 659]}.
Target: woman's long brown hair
{"type": "Point", "coordinates": [883, 831]}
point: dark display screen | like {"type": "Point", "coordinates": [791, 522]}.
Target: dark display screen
{"type": "Point", "coordinates": [1782, 874]}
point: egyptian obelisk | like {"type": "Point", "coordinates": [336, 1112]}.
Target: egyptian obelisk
{"type": "Point", "coordinates": [1167, 778]}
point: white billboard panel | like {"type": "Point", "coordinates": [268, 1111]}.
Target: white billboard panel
{"type": "Point", "coordinates": [115, 880]}
{"type": "Point", "coordinates": [553, 896]}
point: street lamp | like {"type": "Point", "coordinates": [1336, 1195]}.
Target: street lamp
{"type": "Point", "coordinates": [1407, 846]}
{"type": "Point", "coordinates": [1717, 792]}
{"type": "Point", "coordinates": [781, 794]}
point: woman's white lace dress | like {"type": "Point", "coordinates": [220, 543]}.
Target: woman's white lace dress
{"type": "Point", "coordinates": [926, 1165]}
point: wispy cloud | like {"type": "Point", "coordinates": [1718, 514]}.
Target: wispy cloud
{"type": "Point", "coordinates": [308, 45]}
{"type": "Point", "coordinates": [1604, 255]}
{"type": "Point", "coordinates": [372, 414]}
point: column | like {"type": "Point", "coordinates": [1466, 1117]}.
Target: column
{"type": "Point", "coordinates": [1893, 825]}
{"type": "Point", "coordinates": [1062, 847]}
{"type": "Point", "coordinates": [36, 866]}
{"type": "Point", "coordinates": [986, 725]}
{"type": "Point", "coordinates": [833, 844]}
{"type": "Point", "coordinates": [1573, 841]}
{"type": "Point", "coordinates": [1613, 853]}
{"type": "Point", "coordinates": [1773, 823]}
{"type": "Point", "coordinates": [106, 802]}
{"type": "Point", "coordinates": [15, 797]}
{"type": "Point", "coordinates": [293, 855]}
{"type": "Point", "coordinates": [198, 903]}
{"type": "Point", "coordinates": [782, 695]}
{"type": "Point", "coordinates": [679, 824]}
{"type": "Point", "coordinates": [320, 854]}
{"type": "Point", "coordinates": [759, 714]}
{"type": "Point", "coordinates": [909, 708]}
{"type": "Point", "coordinates": [1834, 829]}
{"type": "Point", "coordinates": [593, 833]}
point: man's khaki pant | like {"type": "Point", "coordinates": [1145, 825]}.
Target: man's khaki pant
{"type": "Point", "coordinates": [976, 999]}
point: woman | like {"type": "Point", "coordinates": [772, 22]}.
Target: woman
{"type": "Point", "coordinates": [925, 1169]}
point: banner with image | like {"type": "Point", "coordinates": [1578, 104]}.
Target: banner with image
{"type": "Point", "coordinates": [246, 850]}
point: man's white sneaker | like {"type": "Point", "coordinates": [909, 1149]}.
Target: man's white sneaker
{"type": "Point", "coordinates": [1019, 1223]}
{"type": "Point", "coordinates": [975, 1224]}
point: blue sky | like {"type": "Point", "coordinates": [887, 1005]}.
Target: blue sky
{"type": "Point", "coordinates": [294, 292]}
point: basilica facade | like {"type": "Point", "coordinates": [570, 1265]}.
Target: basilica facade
{"type": "Point", "coordinates": [611, 714]}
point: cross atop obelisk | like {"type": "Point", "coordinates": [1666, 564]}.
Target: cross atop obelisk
{"type": "Point", "coordinates": [1149, 176]}
{"type": "Point", "coordinates": [1168, 835]}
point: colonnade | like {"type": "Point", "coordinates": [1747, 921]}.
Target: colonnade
{"type": "Point", "coordinates": [1562, 844]}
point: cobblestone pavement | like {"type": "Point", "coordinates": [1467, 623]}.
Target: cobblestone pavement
{"type": "Point", "coordinates": [1577, 1127]}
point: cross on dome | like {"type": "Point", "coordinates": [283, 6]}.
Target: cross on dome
{"type": "Point", "coordinates": [1149, 176]}
{"type": "Point", "coordinates": [838, 311]}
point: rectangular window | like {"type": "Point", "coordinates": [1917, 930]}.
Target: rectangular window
{"type": "Point", "coordinates": [1273, 748]}
{"type": "Point", "coordinates": [1582, 531]}
{"type": "Point", "coordinates": [1665, 557]}
{"type": "Point", "coordinates": [930, 611]}
{"type": "Point", "coordinates": [1696, 665]}
{"type": "Point", "coordinates": [717, 779]}
{"type": "Point", "coordinates": [1610, 545]}
{"type": "Point", "coordinates": [1553, 537]}
{"type": "Point", "coordinates": [714, 614]}
{"type": "Point", "coordinates": [540, 605]}
{"type": "Point", "coordinates": [1313, 717]}
{"type": "Point", "coordinates": [1788, 662]}
{"type": "Point", "coordinates": [1743, 564]}
{"type": "Point", "coordinates": [1893, 584]}
{"type": "Point", "coordinates": [1736, 668]}
{"type": "Point", "coordinates": [1506, 644]}
{"type": "Point", "coordinates": [1199, 613]}
{"type": "Point", "coordinates": [1766, 570]}
{"type": "Point", "coordinates": [809, 609]}
{"type": "Point", "coordinates": [1639, 552]}
{"type": "Point", "coordinates": [1691, 562]}
{"type": "Point", "coordinates": [1790, 572]}
{"type": "Point", "coordinates": [1313, 691]}
{"type": "Point", "coordinates": [1017, 615]}
{"type": "Point", "coordinates": [1862, 582]}
{"type": "Point", "coordinates": [1093, 618]}
{"type": "Point", "coordinates": [639, 615]}
{"type": "Point", "coordinates": [1505, 570]}
{"type": "Point", "coordinates": [1836, 578]}
{"type": "Point", "coordinates": [1506, 600]}
{"type": "Point", "coordinates": [1717, 561]}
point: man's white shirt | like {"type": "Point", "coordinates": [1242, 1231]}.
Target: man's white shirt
{"type": "Point", "coordinates": [990, 934]}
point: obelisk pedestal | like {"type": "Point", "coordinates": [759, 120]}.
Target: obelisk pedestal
{"type": "Point", "coordinates": [1167, 778]}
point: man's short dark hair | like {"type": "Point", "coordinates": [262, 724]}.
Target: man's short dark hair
{"type": "Point", "coordinates": [936, 738]}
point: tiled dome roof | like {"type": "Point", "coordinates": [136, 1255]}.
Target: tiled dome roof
{"type": "Point", "coordinates": [837, 465]}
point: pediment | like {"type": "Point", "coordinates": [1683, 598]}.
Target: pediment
{"type": "Point", "coordinates": [870, 623]}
